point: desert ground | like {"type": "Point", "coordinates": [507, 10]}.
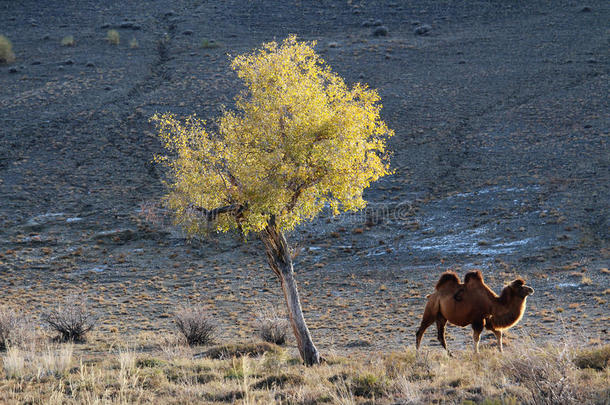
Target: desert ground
{"type": "Point", "coordinates": [500, 153]}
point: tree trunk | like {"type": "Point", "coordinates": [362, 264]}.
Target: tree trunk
{"type": "Point", "coordinates": [280, 261]}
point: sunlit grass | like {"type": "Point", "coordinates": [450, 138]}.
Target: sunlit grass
{"type": "Point", "coordinates": [526, 373]}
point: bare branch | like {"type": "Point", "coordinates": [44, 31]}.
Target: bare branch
{"type": "Point", "coordinates": [211, 215]}
{"type": "Point", "coordinates": [299, 189]}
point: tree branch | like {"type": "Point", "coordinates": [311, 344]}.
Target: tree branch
{"type": "Point", "coordinates": [213, 214]}
{"type": "Point", "coordinates": [299, 189]}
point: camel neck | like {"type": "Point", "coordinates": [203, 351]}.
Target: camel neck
{"type": "Point", "coordinates": [507, 311]}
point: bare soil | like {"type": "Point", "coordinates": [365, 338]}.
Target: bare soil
{"type": "Point", "coordinates": [501, 163]}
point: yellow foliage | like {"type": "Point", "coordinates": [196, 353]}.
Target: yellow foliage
{"type": "Point", "coordinates": [300, 139]}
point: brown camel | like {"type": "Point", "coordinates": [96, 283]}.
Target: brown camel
{"type": "Point", "coordinates": [473, 302]}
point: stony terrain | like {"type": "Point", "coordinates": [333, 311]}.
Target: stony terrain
{"type": "Point", "coordinates": [501, 163]}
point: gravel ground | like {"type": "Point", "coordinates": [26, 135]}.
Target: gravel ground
{"type": "Point", "coordinates": [501, 158]}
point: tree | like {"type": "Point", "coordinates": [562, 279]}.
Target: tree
{"type": "Point", "coordinates": [299, 140]}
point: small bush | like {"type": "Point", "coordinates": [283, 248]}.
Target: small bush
{"type": "Point", "coordinates": [239, 350]}
{"type": "Point", "coordinates": [149, 362]}
{"type": "Point", "coordinates": [209, 44]}
{"type": "Point", "coordinates": [369, 385]}
{"type": "Point", "coordinates": [195, 325]}
{"type": "Point", "coordinates": [113, 37]}
{"type": "Point", "coordinates": [6, 50]}
{"type": "Point", "coordinates": [546, 375]}
{"type": "Point", "coordinates": [72, 321]}
{"type": "Point", "coordinates": [8, 325]}
{"type": "Point", "coordinates": [68, 41]}
{"type": "Point", "coordinates": [277, 381]}
{"type": "Point", "coordinates": [272, 328]}
{"type": "Point", "coordinates": [133, 44]}
{"type": "Point", "coordinates": [598, 358]}
{"type": "Point", "coordinates": [13, 328]}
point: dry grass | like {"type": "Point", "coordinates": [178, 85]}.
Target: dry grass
{"type": "Point", "coordinates": [15, 329]}
{"type": "Point", "coordinates": [526, 373]}
{"type": "Point", "coordinates": [6, 50]}
{"type": "Point", "coordinates": [38, 363]}
{"type": "Point", "coordinates": [13, 363]}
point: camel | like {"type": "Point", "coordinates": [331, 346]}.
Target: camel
{"type": "Point", "coordinates": [473, 302]}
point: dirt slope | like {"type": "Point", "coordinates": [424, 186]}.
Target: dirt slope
{"type": "Point", "coordinates": [501, 157]}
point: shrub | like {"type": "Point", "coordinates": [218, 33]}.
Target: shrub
{"type": "Point", "coordinates": [598, 358]}
{"type": "Point", "coordinates": [113, 37]}
{"type": "Point", "coordinates": [272, 328]}
{"type": "Point", "coordinates": [72, 321]}
{"type": "Point", "coordinates": [195, 325]}
{"type": "Point", "coordinates": [8, 325]}
{"type": "Point", "coordinates": [68, 41]}
{"type": "Point", "coordinates": [6, 50]}
{"type": "Point", "coordinates": [547, 375]}
{"type": "Point", "coordinates": [209, 44]}
{"type": "Point", "coordinates": [133, 44]}
{"type": "Point", "coordinates": [13, 328]}
{"type": "Point", "coordinates": [277, 381]}
{"type": "Point", "coordinates": [240, 349]}
{"type": "Point", "coordinates": [149, 362]}
{"type": "Point", "coordinates": [369, 385]}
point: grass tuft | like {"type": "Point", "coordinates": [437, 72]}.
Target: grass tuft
{"type": "Point", "coordinates": [13, 363]}
{"type": "Point", "coordinates": [209, 44]}
{"type": "Point", "coordinates": [68, 41]}
{"type": "Point", "coordinates": [113, 37]}
{"type": "Point", "coordinates": [6, 50]}
{"type": "Point", "coordinates": [55, 361]}
{"type": "Point", "coordinates": [277, 381]}
{"type": "Point", "coordinates": [149, 362]}
{"type": "Point", "coordinates": [596, 358]}
{"type": "Point", "coordinates": [240, 349]}
{"type": "Point", "coordinates": [369, 386]}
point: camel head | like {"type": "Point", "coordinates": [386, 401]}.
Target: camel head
{"type": "Point", "coordinates": [519, 288]}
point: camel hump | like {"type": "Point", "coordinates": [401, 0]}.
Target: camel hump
{"type": "Point", "coordinates": [473, 275]}
{"type": "Point", "coordinates": [447, 277]}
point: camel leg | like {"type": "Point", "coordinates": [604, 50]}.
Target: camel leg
{"type": "Point", "coordinates": [498, 334]}
{"type": "Point", "coordinates": [426, 321]}
{"type": "Point", "coordinates": [440, 328]}
{"type": "Point", "coordinates": [477, 328]}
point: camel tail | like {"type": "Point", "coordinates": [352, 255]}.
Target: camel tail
{"type": "Point", "coordinates": [447, 277]}
{"type": "Point", "coordinates": [475, 275]}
